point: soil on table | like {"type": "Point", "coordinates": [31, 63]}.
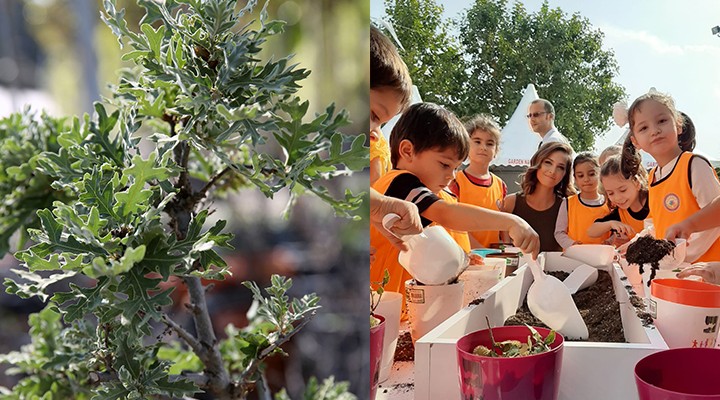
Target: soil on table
{"type": "Point", "coordinates": [598, 308]}
{"type": "Point", "coordinates": [405, 351]}
{"type": "Point", "coordinates": [648, 250]}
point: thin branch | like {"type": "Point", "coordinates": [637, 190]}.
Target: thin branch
{"type": "Point", "coordinates": [268, 350]}
{"type": "Point", "coordinates": [206, 336]}
{"type": "Point", "coordinates": [185, 335]}
{"type": "Point", "coordinates": [203, 192]}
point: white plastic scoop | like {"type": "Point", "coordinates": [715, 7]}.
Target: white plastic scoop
{"type": "Point", "coordinates": [550, 301]}
{"type": "Point", "coordinates": [582, 277]}
{"type": "Point", "coordinates": [434, 257]}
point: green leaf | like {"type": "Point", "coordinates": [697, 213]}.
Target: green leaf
{"type": "Point", "coordinates": [154, 37]}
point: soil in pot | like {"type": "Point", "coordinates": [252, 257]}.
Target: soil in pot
{"type": "Point", "coordinates": [405, 351]}
{"type": "Point", "coordinates": [648, 250]}
{"type": "Point", "coordinates": [597, 305]}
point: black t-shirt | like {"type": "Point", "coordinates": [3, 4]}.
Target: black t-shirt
{"type": "Point", "coordinates": [615, 214]}
{"type": "Point", "coordinates": [409, 187]}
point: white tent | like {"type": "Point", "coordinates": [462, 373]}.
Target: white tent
{"type": "Point", "coordinates": [518, 142]}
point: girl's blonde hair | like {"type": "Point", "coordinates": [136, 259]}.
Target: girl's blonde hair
{"type": "Point", "coordinates": [614, 166]}
{"type": "Point", "coordinates": [529, 180]}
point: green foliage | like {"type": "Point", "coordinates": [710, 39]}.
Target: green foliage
{"type": "Point", "coordinates": [328, 390]}
{"type": "Point", "coordinates": [504, 49]}
{"type": "Point", "coordinates": [92, 205]}
{"type": "Point", "coordinates": [433, 56]}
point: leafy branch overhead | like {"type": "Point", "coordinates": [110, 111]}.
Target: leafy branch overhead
{"type": "Point", "coordinates": [86, 201]}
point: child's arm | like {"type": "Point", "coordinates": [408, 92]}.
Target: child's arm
{"type": "Point", "coordinates": [599, 229]}
{"type": "Point", "coordinates": [710, 272]}
{"type": "Point", "coordinates": [466, 217]}
{"type": "Point", "coordinates": [561, 227]}
{"type": "Point", "coordinates": [707, 218]}
{"type": "Point", "coordinates": [376, 168]}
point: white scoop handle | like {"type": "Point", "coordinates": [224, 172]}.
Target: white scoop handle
{"type": "Point", "coordinates": [387, 223]}
{"type": "Point", "coordinates": [536, 270]}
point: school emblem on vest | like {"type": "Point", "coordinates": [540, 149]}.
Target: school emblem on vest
{"type": "Point", "coordinates": [671, 202]}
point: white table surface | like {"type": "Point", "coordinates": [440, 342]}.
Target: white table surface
{"type": "Point", "coordinates": [401, 383]}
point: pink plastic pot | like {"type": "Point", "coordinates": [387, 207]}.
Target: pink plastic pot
{"type": "Point", "coordinates": [679, 374]}
{"type": "Point", "coordinates": [532, 377]}
{"type": "Point", "coordinates": [376, 349]}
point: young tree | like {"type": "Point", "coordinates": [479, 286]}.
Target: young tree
{"type": "Point", "coordinates": [89, 204]}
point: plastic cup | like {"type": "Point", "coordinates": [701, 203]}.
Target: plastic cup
{"type": "Point", "coordinates": [679, 374]}
{"type": "Point", "coordinates": [490, 378]}
{"type": "Point", "coordinates": [376, 348]}
{"type": "Point", "coordinates": [430, 305]}
{"type": "Point", "coordinates": [390, 307]}
{"type": "Point", "coordinates": [686, 312]}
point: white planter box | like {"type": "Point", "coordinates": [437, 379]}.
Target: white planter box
{"type": "Point", "coordinates": [590, 370]}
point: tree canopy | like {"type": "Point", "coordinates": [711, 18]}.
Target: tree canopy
{"type": "Point", "coordinates": [499, 49]}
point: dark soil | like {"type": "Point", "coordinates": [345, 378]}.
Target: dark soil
{"type": "Point", "coordinates": [598, 308]}
{"type": "Point", "coordinates": [405, 351]}
{"type": "Point", "coordinates": [648, 250]}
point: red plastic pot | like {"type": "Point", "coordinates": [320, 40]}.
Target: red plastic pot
{"type": "Point", "coordinates": [376, 349]}
{"type": "Point", "coordinates": [679, 374]}
{"type": "Point", "coordinates": [489, 378]}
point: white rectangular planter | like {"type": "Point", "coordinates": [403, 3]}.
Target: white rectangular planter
{"type": "Point", "coordinates": [590, 370]}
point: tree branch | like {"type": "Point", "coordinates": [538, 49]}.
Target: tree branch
{"type": "Point", "coordinates": [203, 192]}
{"type": "Point", "coordinates": [244, 377]}
{"type": "Point", "coordinates": [185, 335]}
{"type": "Point", "coordinates": [210, 356]}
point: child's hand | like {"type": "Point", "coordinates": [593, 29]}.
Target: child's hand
{"type": "Point", "coordinates": [679, 230]}
{"type": "Point", "coordinates": [524, 237]}
{"type": "Point", "coordinates": [475, 259]}
{"type": "Point", "coordinates": [622, 229]}
{"type": "Point", "coordinates": [709, 271]}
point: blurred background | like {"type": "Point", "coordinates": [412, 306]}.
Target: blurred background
{"type": "Point", "coordinates": [59, 56]}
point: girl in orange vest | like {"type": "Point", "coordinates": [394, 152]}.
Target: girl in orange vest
{"type": "Point", "coordinates": [682, 182]}
{"type": "Point", "coordinates": [628, 199]}
{"type": "Point", "coordinates": [475, 184]}
{"type": "Point", "coordinates": [579, 211]}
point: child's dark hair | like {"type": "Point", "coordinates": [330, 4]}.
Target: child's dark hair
{"type": "Point", "coordinates": [387, 69]}
{"type": "Point", "coordinates": [485, 123]}
{"type": "Point", "coordinates": [529, 179]}
{"type": "Point", "coordinates": [429, 126]}
{"type": "Point", "coordinates": [614, 166]}
{"type": "Point", "coordinates": [586, 157]}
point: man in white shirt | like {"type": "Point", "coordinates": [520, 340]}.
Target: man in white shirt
{"type": "Point", "coordinates": [541, 115]}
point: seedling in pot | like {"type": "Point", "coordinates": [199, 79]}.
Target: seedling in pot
{"type": "Point", "coordinates": [536, 344]}
{"type": "Point", "coordinates": [379, 292]}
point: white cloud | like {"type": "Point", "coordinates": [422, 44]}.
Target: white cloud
{"type": "Point", "coordinates": [620, 35]}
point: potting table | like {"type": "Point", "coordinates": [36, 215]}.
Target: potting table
{"type": "Point", "coordinates": [401, 383]}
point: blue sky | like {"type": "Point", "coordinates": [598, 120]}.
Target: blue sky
{"type": "Point", "coordinates": [666, 44]}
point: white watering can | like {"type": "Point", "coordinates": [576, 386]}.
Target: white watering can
{"type": "Point", "coordinates": [433, 258]}
{"type": "Point", "coordinates": [550, 301]}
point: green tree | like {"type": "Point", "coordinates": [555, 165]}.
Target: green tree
{"type": "Point", "coordinates": [95, 207]}
{"type": "Point", "coordinates": [432, 55]}
{"type": "Point", "coordinates": [561, 54]}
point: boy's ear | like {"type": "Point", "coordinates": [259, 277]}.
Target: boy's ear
{"type": "Point", "coordinates": [406, 150]}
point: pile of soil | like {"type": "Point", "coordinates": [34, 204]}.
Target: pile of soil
{"type": "Point", "coordinates": [405, 351]}
{"type": "Point", "coordinates": [648, 250]}
{"type": "Point", "coordinates": [598, 308]}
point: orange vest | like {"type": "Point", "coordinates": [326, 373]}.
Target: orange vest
{"type": "Point", "coordinates": [482, 196]}
{"type": "Point", "coordinates": [386, 255]}
{"type": "Point", "coordinates": [379, 148]}
{"type": "Point", "coordinates": [581, 216]}
{"type": "Point", "coordinates": [672, 200]}
{"type": "Point", "coordinates": [627, 219]}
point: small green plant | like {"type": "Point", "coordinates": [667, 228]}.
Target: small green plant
{"type": "Point", "coordinates": [535, 344]}
{"type": "Point", "coordinates": [86, 203]}
{"type": "Point", "coordinates": [376, 296]}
